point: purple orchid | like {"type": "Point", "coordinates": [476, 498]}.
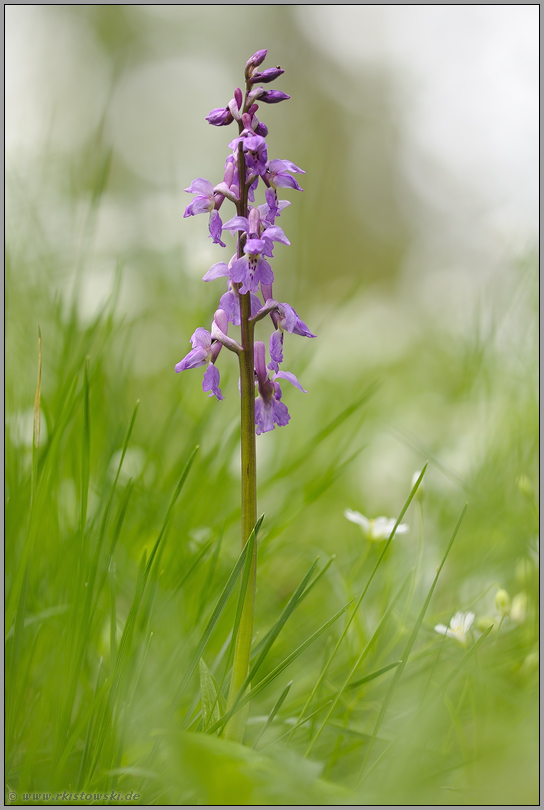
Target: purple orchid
{"type": "Point", "coordinates": [285, 318]}
{"type": "Point", "coordinates": [279, 174]}
{"type": "Point", "coordinates": [269, 409]}
{"type": "Point", "coordinates": [268, 75]}
{"type": "Point", "coordinates": [254, 61]}
{"type": "Point", "coordinates": [205, 351]}
{"type": "Point", "coordinates": [230, 304]}
{"type": "Point", "coordinates": [252, 269]}
{"type": "Point", "coordinates": [255, 150]}
{"type": "Point", "coordinates": [249, 270]}
{"type": "Point", "coordinates": [206, 201]}
{"type": "Point", "coordinates": [220, 117]}
{"type": "Point", "coordinates": [273, 96]}
{"type": "Point", "coordinates": [256, 226]}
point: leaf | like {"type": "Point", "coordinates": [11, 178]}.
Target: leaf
{"type": "Point", "coordinates": [209, 694]}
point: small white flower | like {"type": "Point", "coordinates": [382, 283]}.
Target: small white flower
{"type": "Point", "coordinates": [375, 529]}
{"type": "Point", "coordinates": [459, 626]}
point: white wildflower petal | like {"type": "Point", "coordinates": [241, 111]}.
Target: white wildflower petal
{"type": "Point", "coordinates": [460, 624]}
{"type": "Point", "coordinates": [358, 518]}
{"type": "Point", "coordinates": [376, 529]}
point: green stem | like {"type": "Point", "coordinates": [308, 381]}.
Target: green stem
{"type": "Point", "coordinates": [235, 728]}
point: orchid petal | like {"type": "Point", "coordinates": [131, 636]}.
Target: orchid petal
{"type": "Point", "coordinates": [216, 271]}
{"type": "Point", "coordinates": [200, 186]}
{"type": "Point", "coordinates": [287, 375]}
{"type": "Point", "coordinates": [237, 224]}
{"type": "Point", "coordinates": [196, 357]}
{"type": "Point", "coordinates": [211, 382]}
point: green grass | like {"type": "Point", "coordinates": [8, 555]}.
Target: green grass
{"type": "Point", "coordinates": [118, 586]}
{"type": "Point", "coordinates": [124, 579]}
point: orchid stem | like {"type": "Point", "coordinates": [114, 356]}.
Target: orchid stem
{"type": "Point", "coordinates": [235, 728]}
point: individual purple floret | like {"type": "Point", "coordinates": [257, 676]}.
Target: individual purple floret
{"type": "Point", "coordinates": [206, 201]}
{"type": "Point", "coordinates": [279, 174]}
{"type": "Point", "coordinates": [257, 227]}
{"type": "Point", "coordinates": [230, 303]}
{"type": "Point", "coordinates": [269, 410]}
{"type": "Point", "coordinates": [252, 269]}
{"type": "Point", "coordinates": [255, 150]}
{"type": "Point", "coordinates": [285, 319]}
{"type": "Point", "coordinates": [204, 353]}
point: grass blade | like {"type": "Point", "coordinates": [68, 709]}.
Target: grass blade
{"type": "Point", "coordinates": [277, 706]}
{"type": "Point", "coordinates": [218, 610]}
{"type": "Point", "coordinates": [411, 641]}
{"type": "Point", "coordinates": [264, 640]}
{"type": "Point", "coordinates": [239, 608]}
{"type": "Point", "coordinates": [245, 698]}
{"type": "Point", "coordinates": [362, 596]}
{"type": "Point", "coordinates": [373, 675]}
{"type": "Point", "coordinates": [36, 426]}
{"type": "Point", "coordinates": [359, 660]}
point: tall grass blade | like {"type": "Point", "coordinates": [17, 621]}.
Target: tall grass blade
{"type": "Point", "coordinates": [264, 641]}
{"type": "Point", "coordinates": [362, 596]}
{"type": "Point", "coordinates": [277, 706]}
{"type": "Point", "coordinates": [218, 610]}
{"type": "Point", "coordinates": [434, 699]}
{"type": "Point", "coordinates": [210, 696]}
{"type": "Point", "coordinates": [373, 675]}
{"type": "Point", "coordinates": [85, 450]}
{"type": "Point", "coordinates": [36, 422]}
{"type": "Point", "coordinates": [245, 698]}
{"type": "Point", "coordinates": [411, 640]}
{"type": "Point", "coordinates": [239, 608]}
{"type": "Point", "coordinates": [358, 661]}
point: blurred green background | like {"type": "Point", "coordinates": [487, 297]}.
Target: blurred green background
{"type": "Point", "coordinates": [413, 258]}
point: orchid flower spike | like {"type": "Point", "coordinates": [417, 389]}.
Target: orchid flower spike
{"type": "Point", "coordinates": [248, 274]}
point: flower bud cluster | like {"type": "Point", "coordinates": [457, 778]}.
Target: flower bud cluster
{"type": "Point", "coordinates": [248, 272]}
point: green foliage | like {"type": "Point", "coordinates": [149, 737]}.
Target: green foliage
{"type": "Point", "coordinates": [124, 577]}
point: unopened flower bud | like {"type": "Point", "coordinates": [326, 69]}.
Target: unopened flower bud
{"type": "Point", "coordinates": [254, 61]}
{"type": "Point", "coordinates": [238, 97]}
{"type": "Point", "coordinates": [503, 603]}
{"type": "Point", "coordinates": [246, 120]}
{"type": "Point", "coordinates": [220, 117]}
{"type": "Point", "coordinates": [261, 129]}
{"type": "Point", "coordinates": [273, 96]}
{"type": "Point", "coordinates": [254, 220]}
{"type": "Point", "coordinates": [267, 75]}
